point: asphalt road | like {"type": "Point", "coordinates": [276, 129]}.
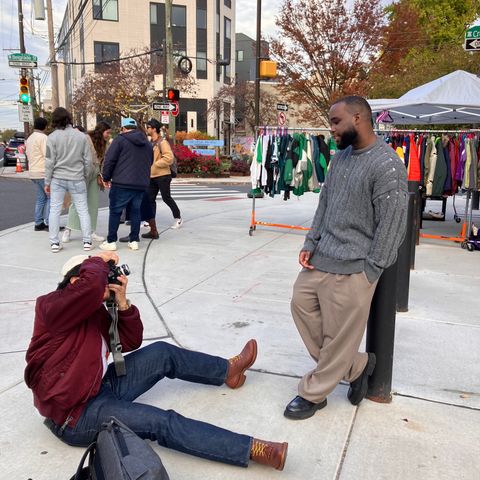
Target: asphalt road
{"type": "Point", "coordinates": [17, 198]}
{"type": "Point", "coordinates": [17, 201]}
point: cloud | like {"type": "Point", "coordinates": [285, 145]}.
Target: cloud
{"type": "Point", "coordinates": [246, 17]}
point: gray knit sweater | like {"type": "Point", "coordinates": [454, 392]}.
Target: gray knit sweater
{"type": "Point", "coordinates": [68, 157]}
{"type": "Point", "coordinates": [361, 217]}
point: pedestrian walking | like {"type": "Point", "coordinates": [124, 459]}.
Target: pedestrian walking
{"type": "Point", "coordinates": [36, 149]}
{"type": "Point", "coordinates": [160, 177]}
{"type": "Point", "coordinates": [126, 171]}
{"type": "Point", "coordinates": [67, 166]}
{"type": "Point", "coordinates": [356, 231]}
{"type": "Point", "coordinates": [97, 139]}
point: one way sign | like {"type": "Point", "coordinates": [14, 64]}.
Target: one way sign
{"type": "Point", "coordinates": [166, 107]}
{"type": "Point", "coordinates": [472, 44]}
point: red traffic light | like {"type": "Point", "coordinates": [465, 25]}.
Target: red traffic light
{"type": "Point", "coordinates": [173, 95]}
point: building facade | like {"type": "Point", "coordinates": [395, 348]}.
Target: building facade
{"type": "Point", "coordinates": [202, 30]}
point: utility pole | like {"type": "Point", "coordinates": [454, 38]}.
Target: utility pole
{"type": "Point", "coordinates": [26, 125]}
{"type": "Point", "coordinates": [53, 59]}
{"type": "Point", "coordinates": [257, 67]}
{"type": "Point", "coordinates": [169, 60]}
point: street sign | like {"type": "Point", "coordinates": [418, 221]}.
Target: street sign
{"type": "Point", "coordinates": [204, 143]}
{"type": "Point", "coordinates": [473, 32]}
{"type": "Point", "coordinates": [25, 113]}
{"type": "Point", "coordinates": [176, 109]}
{"type": "Point", "coordinates": [169, 107]}
{"type": "Point", "coordinates": [22, 60]}
{"type": "Point", "coordinates": [282, 107]}
{"type": "Point", "coordinates": [472, 44]}
{"type": "Point", "coordinates": [165, 118]}
{"type": "Point", "coordinates": [282, 118]}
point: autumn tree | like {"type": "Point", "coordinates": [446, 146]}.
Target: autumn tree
{"type": "Point", "coordinates": [423, 41]}
{"type": "Point", "coordinates": [324, 50]}
{"type": "Point", "coordinates": [114, 87]}
{"type": "Point", "coordinates": [241, 96]}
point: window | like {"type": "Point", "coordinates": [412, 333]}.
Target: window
{"type": "Point", "coordinates": [105, 10]}
{"type": "Point", "coordinates": [201, 39]}
{"type": "Point", "coordinates": [153, 14]}
{"type": "Point", "coordinates": [106, 51]}
{"type": "Point", "coordinates": [179, 28]}
{"type": "Point", "coordinates": [202, 65]}
{"type": "Point", "coordinates": [179, 16]}
{"type": "Point", "coordinates": [239, 55]}
{"type": "Point", "coordinates": [227, 3]}
{"type": "Point", "coordinates": [227, 45]}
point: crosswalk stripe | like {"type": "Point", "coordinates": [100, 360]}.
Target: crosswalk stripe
{"type": "Point", "coordinates": [205, 195]}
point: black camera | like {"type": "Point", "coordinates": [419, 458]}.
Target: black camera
{"type": "Point", "coordinates": [115, 271]}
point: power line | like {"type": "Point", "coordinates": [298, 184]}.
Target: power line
{"type": "Point", "coordinates": [114, 59]}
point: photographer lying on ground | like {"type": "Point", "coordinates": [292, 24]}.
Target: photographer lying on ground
{"type": "Point", "coordinates": [76, 390]}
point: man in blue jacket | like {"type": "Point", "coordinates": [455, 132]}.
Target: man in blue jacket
{"type": "Point", "coordinates": [126, 171]}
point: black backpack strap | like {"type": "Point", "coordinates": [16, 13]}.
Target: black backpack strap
{"type": "Point", "coordinates": [84, 473]}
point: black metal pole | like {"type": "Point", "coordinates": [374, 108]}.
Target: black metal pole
{"type": "Point", "coordinates": [414, 187]}
{"type": "Point", "coordinates": [381, 335]}
{"type": "Point", "coordinates": [404, 257]}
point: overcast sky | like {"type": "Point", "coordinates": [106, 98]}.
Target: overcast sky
{"type": "Point", "coordinates": [36, 43]}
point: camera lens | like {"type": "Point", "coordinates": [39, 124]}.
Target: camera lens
{"type": "Point", "coordinates": [124, 269]}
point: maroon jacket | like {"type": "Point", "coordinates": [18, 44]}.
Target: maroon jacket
{"type": "Point", "coordinates": [64, 364]}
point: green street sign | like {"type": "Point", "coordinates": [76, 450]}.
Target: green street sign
{"type": "Point", "coordinates": [472, 32]}
{"type": "Point", "coordinates": [22, 60]}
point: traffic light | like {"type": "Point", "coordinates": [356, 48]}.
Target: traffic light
{"type": "Point", "coordinates": [24, 90]}
{"type": "Point", "coordinates": [173, 95]}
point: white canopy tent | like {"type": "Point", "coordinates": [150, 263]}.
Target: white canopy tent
{"type": "Point", "coordinates": [451, 99]}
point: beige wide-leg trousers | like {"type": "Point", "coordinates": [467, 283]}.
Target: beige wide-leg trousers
{"type": "Point", "coordinates": [331, 312]}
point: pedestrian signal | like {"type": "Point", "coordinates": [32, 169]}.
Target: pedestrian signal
{"type": "Point", "coordinates": [173, 95]}
{"type": "Point", "coordinates": [24, 90]}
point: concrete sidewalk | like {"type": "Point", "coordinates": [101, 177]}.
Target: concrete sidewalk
{"type": "Point", "coordinates": [210, 286]}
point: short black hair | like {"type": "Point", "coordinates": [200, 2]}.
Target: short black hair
{"type": "Point", "coordinates": [73, 272]}
{"type": "Point", "coordinates": [40, 123]}
{"type": "Point", "coordinates": [61, 118]}
{"type": "Point", "coordinates": [356, 101]}
{"type": "Point", "coordinates": [154, 123]}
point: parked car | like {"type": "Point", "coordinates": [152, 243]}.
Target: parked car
{"type": "Point", "coordinates": [11, 150]}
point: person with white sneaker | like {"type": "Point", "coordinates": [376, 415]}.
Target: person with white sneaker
{"type": "Point", "coordinates": [161, 177]}
{"type": "Point", "coordinates": [97, 139]}
{"type": "Point", "coordinates": [68, 163]}
{"type": "Point", "coordinates": [126, 171]}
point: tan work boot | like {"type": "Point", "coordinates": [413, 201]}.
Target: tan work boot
{"type": "Point", "coordinates": [239, 363]}
{"type": "Point", "coordinates": [269, 453]}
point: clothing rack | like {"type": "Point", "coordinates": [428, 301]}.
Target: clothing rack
{"type": "Point", "coordinates": [394, 130]}
{"type": "Point", "coordinates": [280, 131]}
{"type": "Point", "coordinates": [464, 234]}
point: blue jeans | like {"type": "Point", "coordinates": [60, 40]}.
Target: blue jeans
{"type": "Point", "coordinates": [120, 198]}
{"type": "Point", "coordinates": [42, 202]}
{"type": "Point", "coordinates": [145, 367]}
{"type": "Point", "coordinates": [78, 192]}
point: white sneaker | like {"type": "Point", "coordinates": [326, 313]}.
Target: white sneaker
{"type": "Point", "coordinates": [55, 247]}
{"type": "Point", "coordinates": [145, 224]}
{"type": "Point", "coordinates": [133, 245]}
{"type": "Point", "coordinates": [177, 223]}
{"type": "Point", "coordinates": [97, 238]}
{"type": "Point", "coordinates": [87, 246]}
{"type": "Point", "coordinates": [66, 235]}
{"type": "Point", "coordinates": [111, 247]}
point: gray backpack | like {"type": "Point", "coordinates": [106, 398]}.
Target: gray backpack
{"type": "Point", "coordinates": [120, 454]}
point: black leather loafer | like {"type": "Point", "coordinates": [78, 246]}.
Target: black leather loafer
{"type": "Point", "coordinates": [299, 408]}
{"type": "Point", "coordinates": [359, 387]}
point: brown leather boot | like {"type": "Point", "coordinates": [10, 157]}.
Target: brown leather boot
{"type": "Point", "coordinates": [269, 453]}
{"type": "Point", "coordinates": [153, 233]}
{"type": "Point", "coordinates": [239, 363]}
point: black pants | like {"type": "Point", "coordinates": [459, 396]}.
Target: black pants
{"type": "Point", "coordinates": [163, 184]}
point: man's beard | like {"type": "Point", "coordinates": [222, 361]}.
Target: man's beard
{"type": "Point", "coordinates": [349, 137]}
